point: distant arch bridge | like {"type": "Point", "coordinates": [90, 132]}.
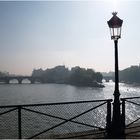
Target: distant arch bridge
{"type": "Point", "coordinates": [32, 79]}
{"type": "Point", "coordinates": [108, 78]}
{"type": "Point", "coordinates": [7, 79]}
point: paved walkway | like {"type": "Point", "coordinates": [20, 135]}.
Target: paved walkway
{"type": "Point", "coordinates": [132, 132]}
{"type": "Point", "coordinates": [97, 134]}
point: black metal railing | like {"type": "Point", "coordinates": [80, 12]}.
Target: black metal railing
{"type": "Point", "coordinates": [131, 116]}
{"type": "Point", "coordinates": [83, 119]}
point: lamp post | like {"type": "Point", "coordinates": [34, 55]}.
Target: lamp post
{"type": "Point", "coordinates": [115, 25]}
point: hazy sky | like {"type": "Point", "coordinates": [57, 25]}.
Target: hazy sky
{"type": "Point", "coordinates": [72, 33]}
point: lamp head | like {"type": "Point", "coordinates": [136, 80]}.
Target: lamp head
{"type": "Point", "coordinates": [115, 24]}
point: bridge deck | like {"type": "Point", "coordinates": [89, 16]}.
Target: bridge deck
{"type": "Point", "coordinates": [132, 132]}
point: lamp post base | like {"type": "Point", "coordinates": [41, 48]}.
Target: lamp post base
{"type": "Point", "coordinates": [117, 130]}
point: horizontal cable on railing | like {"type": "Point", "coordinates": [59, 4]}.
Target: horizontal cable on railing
{"type": "Point", "coordinates": [130, 98]}
{"type": "Point", "coordinates": [59, 103]}
{"type": "Point", "coordinates": [133, 103]}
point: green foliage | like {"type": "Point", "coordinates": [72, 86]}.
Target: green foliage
{"type": "Point", "coordinates": [57, 74]}
{"type": "Point", "coordinates": [130, 75]}
{"type": "Point", "coordinates": [76, 76]}
{"type": "Point", "coordinates": [99, 77]}
{"type": "Point", "coordinates": [80, 76]}
{"type": "Point", "coordinates": [3, 74]}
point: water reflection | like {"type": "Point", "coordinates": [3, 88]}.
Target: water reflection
{"type": "Point", "coordinates": [14, 81]}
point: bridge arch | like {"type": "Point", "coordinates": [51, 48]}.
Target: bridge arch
{"type": "Point", "coordinates": [108, 78]}
{"type": "Point", "coordinates": [20, 79]}
{"type": "Point", "coordinates": [26, 81]}
{"type": "Point", "coordinates": [13, 81]}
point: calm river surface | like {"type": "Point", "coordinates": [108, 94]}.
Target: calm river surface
{"type": "Point", "coordinates": [26, 93]}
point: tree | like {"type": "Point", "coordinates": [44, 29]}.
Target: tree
{"type": "Point", "coordinates": [3, 74]}
{"type": "Point", "coordinates": [99, 77]}
{"type": "Point", "coordinates": [76, 76]}
{"type": "Point", "coordinates": [130, 75]}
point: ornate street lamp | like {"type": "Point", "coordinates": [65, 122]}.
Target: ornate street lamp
{"type": "Point", "coordinates": [115, 25]}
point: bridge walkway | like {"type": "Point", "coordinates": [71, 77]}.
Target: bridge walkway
{"type": "Point", "coordinates": [131, 132]}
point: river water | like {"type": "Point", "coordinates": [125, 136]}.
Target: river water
{"type": "Point", "coordinates": [13, 94]}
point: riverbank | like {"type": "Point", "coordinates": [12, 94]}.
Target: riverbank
{"type": "Point", "coordinates": [93, 84]}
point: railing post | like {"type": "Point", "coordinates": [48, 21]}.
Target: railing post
{"type": "Point", "coordinates": [19, 122]}
{"type": "Point", "coordinates": [108, 119]}
{"type": "Point", "coordinates": [123, 116]}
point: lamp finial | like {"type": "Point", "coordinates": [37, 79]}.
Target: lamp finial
{"type": "Point", "coordinates": [114, 13]}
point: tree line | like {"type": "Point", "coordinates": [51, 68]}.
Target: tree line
{"type": "Point", "coordinates": [62, 75]}
{"type": "Point", "coordinates": [81, 76]}
{"type": "Point", "coordinates": [2, 74]}
{"type": "Point", "coordinates": [130, 75]}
